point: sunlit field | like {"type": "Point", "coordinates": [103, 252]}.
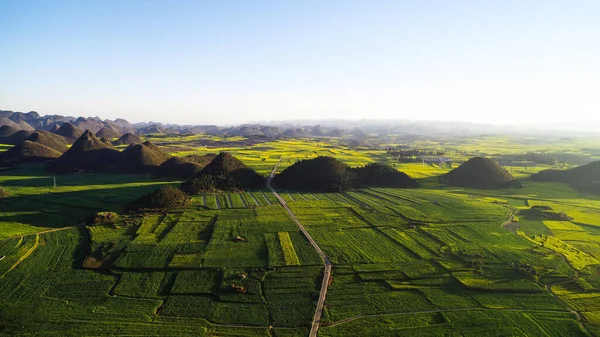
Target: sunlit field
{"type": "Point", "coordinates": [429, 261]}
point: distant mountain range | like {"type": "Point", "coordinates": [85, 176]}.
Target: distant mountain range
{"type": "Point", "coordinates": [29, 121]}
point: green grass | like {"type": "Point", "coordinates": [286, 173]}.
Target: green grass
{"type": "Point", "coordinates": [428, 261]}
{"type": "Point", "coordinates": [289, 254]}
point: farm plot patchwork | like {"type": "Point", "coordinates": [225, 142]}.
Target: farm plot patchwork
{"type": "Point", "coordinates": [199, 266]}
{"type": "Point", "coordinates": [450, 255]}
{"type": "Point", "coordinates": [406, 262]}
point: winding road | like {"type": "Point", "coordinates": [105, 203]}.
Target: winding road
{"type": "Point", "coordinates": [327, 265]}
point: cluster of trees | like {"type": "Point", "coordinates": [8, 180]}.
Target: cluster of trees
{"type": "Point", "coordinates": [167, 197]}
{"type": "Point", "coordinates": [327, 174]}
{"type": "Point", "coordinates": [543, 158]}
{"type": "Point", "coordinates": [412, 155]}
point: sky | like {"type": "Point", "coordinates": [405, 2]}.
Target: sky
{"type": "Point", "coordinates": [230, 62]}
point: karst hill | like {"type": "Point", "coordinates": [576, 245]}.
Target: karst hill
{"type": "Point", "coordinates": [39, 146]}
{"type": "Point", "coordinates": [327, 174]}
{"type": "Point", "coordinates": [128, 139]}
{"type": "Point", "coordinates": [87, 153]}
{"type": "Point", "coordinates": [224, 173]}
{"type": "Point", "coordinates": [480, 172]}
{"type": "Point", "coordinates": [584, 178]}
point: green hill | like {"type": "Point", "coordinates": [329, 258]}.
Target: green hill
{"type": "Point", "coordinates": [323, 174]}
{"type": "Point", "coordinates": [327, 174]}
{"type": "Point", "coordinates": [144, 157]}
{"type": "Point", "coordinates": [88, 153]}
{"type": "Point", "coordinates": [177, 167]}
{"type": "Point", "coordinates": [166, 198]}
{"type": "Point", "coordinates": [224, 173]}
{"type": "Point", "coordinates": [480, 172]}
{"type": "Point", "coordinates": [584, 178]}
{"type": "Point", "coordinates": [381, 175]}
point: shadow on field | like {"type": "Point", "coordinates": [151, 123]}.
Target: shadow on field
{"type": "Point", "coordinates": [83, 245]}
{"type": "Point", "coordinates": [60, 209]}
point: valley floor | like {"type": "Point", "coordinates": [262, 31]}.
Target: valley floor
{"type": "Point", "coordinates": [411, 262]}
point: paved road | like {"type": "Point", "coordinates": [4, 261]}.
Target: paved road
{"type": "Point", "coordinates": [326, 271]}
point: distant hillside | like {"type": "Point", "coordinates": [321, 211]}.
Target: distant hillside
{"type": "Point", "coordinates": [224, 173]}
{"type": "Point", "coordinates": [88, 153]}
{"type": "Point", "coordinates": [38, 146]}
{"type": "Point", "coordinates": [201, 159]}
{"type": "Point", "coordinates": [144, 157]}
{"type": "Point", "coordinates": [94, 124]}
{"type": "Point", "coordinates": [296, 133]}
{"type": "Point", "coordinates": [107, 142]}
{"type": "Point", "coordinates": [128, 139]}
{"type": "Point", "coordinates": [28, 151]}
{"type": "Point", "coordinates": [152, 129]}
{"type": "Point", "coordinates": [16, 138]}
{"type": "Point", "coordinates": [7, 130]}
{"type": "Point", "coordinates": [479, 172]}
{"type": "Point", "coordinates": [108, 132]}
{"type": "Point", "coordinates": [177, 167]}
{"type": "Point", "coordinates": [69, 131]}
{"type": "Point", "coordinates": [184, 167]}
{"type": "Point", "coordinates": [584, 178]}
{"type": "Point", "coordinates": [53, 141]}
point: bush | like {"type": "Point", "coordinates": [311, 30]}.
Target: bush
{"type": "Point", "coordinates": [103, 217]}
{"type": "Point", "coordinates": [165, 198]}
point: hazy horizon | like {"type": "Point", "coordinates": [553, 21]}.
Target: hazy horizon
{"type": "Point", "coordinates": [588, 128]}
{"type": "Point", "coordinates": [230, 63]}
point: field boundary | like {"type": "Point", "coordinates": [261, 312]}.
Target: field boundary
{"type": "Point", "coordinates": [25, 256]}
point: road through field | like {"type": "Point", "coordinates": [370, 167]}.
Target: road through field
{"type": "Point", "coordinates": [326, 272]}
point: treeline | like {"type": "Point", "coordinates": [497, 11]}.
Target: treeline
{"type": "Point", "coordinates": [543, 158]}
{"type": "Point", "coordinates": [412, 155]}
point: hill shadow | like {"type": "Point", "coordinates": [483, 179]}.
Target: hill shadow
{"type": "Point", "coordinates": [61, 209]}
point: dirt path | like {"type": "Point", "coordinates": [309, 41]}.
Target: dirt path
{"type": "Point", "coordinates": [327, 265]}
{"type": "Point", "coordinates": [510, 224]}
{"type": "Point", "coordinates": [35, 246]}
{"type": "Point", "coordinates": [44, 232]}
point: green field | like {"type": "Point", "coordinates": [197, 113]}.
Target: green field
{"type": "Point", "coordinates": [431, 261]}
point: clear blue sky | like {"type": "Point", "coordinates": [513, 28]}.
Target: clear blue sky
{"type": "Point", "coordinates": [229, 62]}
